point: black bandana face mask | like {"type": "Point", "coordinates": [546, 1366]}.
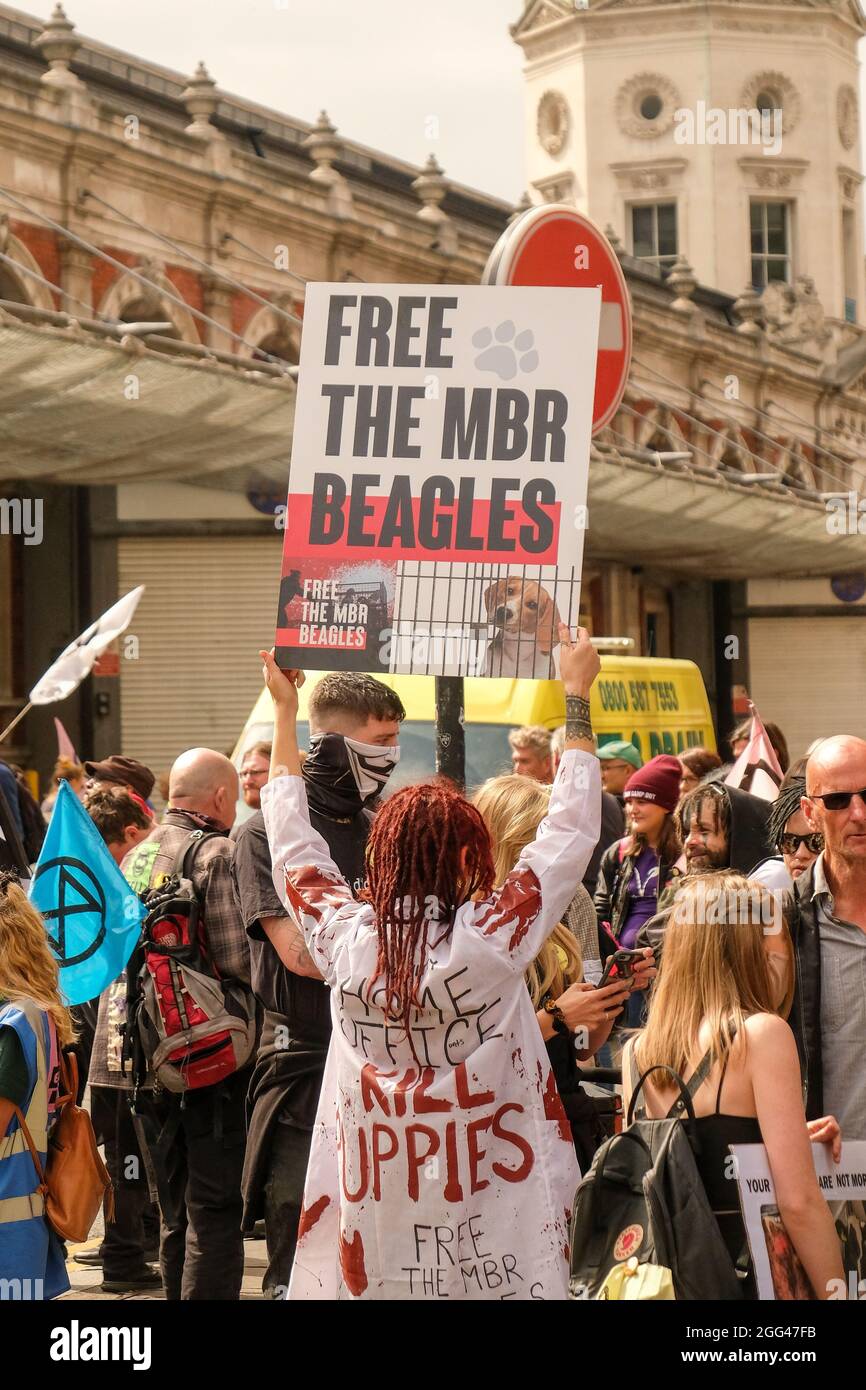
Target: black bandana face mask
{"type": "Point", "coordinates": [343, 776]}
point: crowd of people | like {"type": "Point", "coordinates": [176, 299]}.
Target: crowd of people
{"type": "Point", "coordinates": [437, 1017]}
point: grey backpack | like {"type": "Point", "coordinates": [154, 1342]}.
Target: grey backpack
{"type": "Point", "coordinates": [644, 1197]}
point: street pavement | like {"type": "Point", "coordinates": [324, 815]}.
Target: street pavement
{"type": "Point", "coordinates": [86, 1279]}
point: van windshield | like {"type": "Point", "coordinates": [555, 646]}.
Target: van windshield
{"type": "Point", "coordinates": [487, 752]}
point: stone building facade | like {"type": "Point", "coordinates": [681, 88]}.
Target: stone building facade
{"type": "Point", "coordinates": [147, 389]}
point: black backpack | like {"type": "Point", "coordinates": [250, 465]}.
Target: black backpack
{"type": "Point", "coordinates": [188, 1025]}
{"type": "Point", "coordinates": [643, 1197]}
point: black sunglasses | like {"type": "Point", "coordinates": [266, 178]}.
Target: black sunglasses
{"type": "Point", "coordinates": [789, 844]}
{"type": "Point", "coordinates": [839, 801]}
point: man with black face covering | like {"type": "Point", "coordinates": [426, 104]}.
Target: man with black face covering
{"type": "Point", "coordinates": [354, 730]}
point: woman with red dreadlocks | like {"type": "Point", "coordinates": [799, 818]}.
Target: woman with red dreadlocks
{"type": "Point", "coordinates": [442, 1163]}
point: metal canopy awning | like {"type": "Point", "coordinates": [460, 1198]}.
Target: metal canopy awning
{"type": "Point", "coordinates": [66, 416]}
{"type": "Point", "coordinates": [711, 527]}
{"type": "Point", "coordinates": [79, 407]}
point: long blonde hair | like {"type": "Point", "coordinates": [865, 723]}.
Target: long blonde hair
{"type": "Point", "coordinates": [713, 971]}
{"type": "Point", "coordinates": [28, 970]}
{"type": "Point", "coordinates": [512, 808]}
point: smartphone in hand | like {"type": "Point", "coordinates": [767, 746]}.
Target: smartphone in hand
{"type": "Point", "coordinates": [620, 966]}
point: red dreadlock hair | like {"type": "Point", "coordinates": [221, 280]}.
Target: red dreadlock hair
{"type": "Point", "coordinates": [426, 841]}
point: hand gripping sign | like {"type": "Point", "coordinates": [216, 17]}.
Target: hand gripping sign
{"type": "Point", "coordinates": [556, 245]}
{"type": "Point", "coordinates": [435, 518]}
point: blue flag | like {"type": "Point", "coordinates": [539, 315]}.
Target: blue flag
{"type": "Point", "coordinates": [91, 914]}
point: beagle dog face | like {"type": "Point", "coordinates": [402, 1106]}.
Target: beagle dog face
{"type": "Point", "coordinates": [523, 606]}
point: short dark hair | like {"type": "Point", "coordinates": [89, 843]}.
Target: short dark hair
{"type": "Point", "coordinates": [356, 694]}
{"type": "Point", "coordinates": [717, 796]}
{"type": "Point", "coordinates": [112, 809]}
{"type": "Point", "coordinates": [700, 761]}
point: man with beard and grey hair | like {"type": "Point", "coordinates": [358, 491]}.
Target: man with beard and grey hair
{"type": "Point", "coordinates": [720, 827]}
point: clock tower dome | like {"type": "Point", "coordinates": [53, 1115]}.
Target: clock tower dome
{"type": "Point", "coordinates": [724, 131]}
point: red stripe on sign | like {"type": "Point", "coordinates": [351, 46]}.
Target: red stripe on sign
{"type": "Point", "coordinates": [323, 635]}
{"type": "Point", "coordinates": [458, 533]}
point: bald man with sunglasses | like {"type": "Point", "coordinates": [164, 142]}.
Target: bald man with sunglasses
{"type": "Point", "coordinates": [829, 932]}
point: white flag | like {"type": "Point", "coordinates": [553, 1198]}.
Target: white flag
{"type": "Point", "coordinates": [66, 673]}
{"type": "Point", "coordinates": [757, 768]}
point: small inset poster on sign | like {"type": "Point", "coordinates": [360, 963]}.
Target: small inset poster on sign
{"type": "Point", "coordinates": [779, 1273]}
{"type": "Point", "coordinates": [437, 496]}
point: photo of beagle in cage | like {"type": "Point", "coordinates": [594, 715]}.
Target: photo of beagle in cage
{"type": "Point", "coordinates": [527, 640]}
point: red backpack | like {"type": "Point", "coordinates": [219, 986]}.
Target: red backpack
{"type": "Point", "coordinates": [185, 1023]}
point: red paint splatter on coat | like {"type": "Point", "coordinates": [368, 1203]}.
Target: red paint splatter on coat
{"type": "Point", "coordinates": [310, 1215]}
{"type": "Point", "coordinates": [308, 887]}
{"type": "Point", "coordinates": [516, 905]}
{"type": "Point", "coordinates": [352, 1264]}
{"type": "Point", "coordinates": [554, 1109]}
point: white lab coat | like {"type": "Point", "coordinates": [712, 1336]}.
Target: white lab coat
{"type": "Point", "coordinates": [450, 1176]}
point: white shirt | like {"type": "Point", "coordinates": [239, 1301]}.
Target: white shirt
{"type": "Point", "coordinates": [453, 1179]}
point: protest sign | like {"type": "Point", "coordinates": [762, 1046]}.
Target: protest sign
{"type": "Point", "coordinates": [778, 1272]}
{"type": "Point", "coordinates": [437, 496]}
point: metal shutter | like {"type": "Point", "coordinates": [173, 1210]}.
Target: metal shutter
{"type": "Point", "coordinates": [808, 675]}
{"type": "Point", "coordinates": [209, 606]}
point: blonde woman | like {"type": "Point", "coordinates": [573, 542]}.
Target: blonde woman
{"type": "Point", "coordinates": [33, 1024]}
{"type": "Point", "coordinates": [575, 1018]}
{"type": "Point", "coordinates": [722, 983]}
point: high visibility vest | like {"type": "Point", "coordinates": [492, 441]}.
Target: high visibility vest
{"type": "Point", "coordinates": [20, 1199]}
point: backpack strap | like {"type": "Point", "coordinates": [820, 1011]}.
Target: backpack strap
{"type": "Point", "coordinates": [634, 1077]}
{"type": "Point", "coordinates": [697, 1079]}
{"type": "Point", "coordinates": [685, 1098]}
{"type": "Point", "coordinates": [185, 857]}
{"type": "Point", "coordinates": [692, 1086]}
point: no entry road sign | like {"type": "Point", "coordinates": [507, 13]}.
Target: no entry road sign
{"type": "Point", "coordinates": [555, 245]}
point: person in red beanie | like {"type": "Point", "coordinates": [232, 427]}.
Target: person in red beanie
{"type": "Point", "coordinates": [635, 869]}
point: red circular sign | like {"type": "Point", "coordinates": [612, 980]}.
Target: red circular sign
{"type": "Point", "coordinates": [555, 245]}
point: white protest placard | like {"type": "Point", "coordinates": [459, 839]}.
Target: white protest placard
{"type": "Point", "coordinates": [437, 495]}
{"type": "Point", "coordinates": [778, 1272]}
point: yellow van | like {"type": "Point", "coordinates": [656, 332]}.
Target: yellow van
{"type": "Point", "coordinates": [659, 705]}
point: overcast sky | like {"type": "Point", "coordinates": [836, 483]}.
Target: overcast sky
{"type": "Point", "coordinates": [381, 68]}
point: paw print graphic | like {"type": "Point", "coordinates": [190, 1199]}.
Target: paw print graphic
{"type": "Point", "coordinates": [505, 351]}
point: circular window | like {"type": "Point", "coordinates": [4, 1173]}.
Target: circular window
{"type": "Point", "coordinates": [769, 92]}
{"type": "Point", "coordinates": [645, 105]}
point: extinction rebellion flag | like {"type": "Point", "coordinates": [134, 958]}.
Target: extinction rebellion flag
{"type": "Point", "coordinates": [92, 917]}
{"type": "Point", "coordinates": [437, 496]}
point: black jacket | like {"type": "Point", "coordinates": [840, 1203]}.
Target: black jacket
{"type": "Point", "coordinates": [805, 1017]}
{"type": "Point", "coordinates": [612, 830]}
{"type": "Point", "coordinates": [750, 842]}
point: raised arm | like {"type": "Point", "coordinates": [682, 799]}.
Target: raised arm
{"type": "Point", "coordinates": [521, 914]}
{"type": "Point", "coordinates": [308, 882]}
